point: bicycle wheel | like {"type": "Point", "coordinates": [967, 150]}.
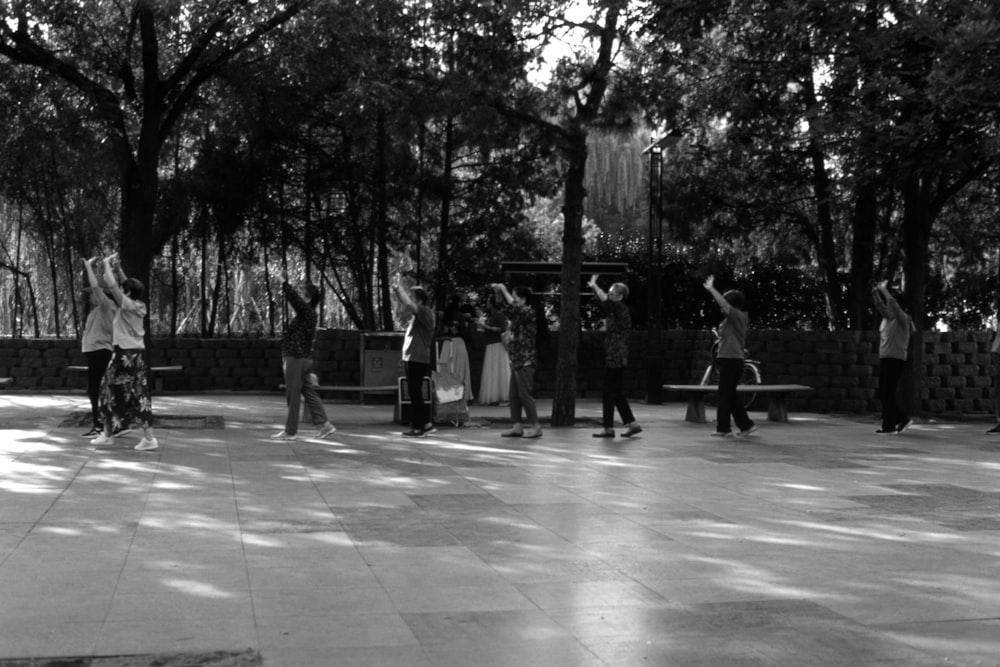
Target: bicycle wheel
{"type": "Point", "coordinates": [749, 376]}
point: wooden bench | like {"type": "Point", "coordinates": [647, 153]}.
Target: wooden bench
{"type": "Point", "coordinates": [156, 371]}
{"type": "Point", "coordinates": [6, 382]}
{"type": "Point", "coordinates": [777, 411]}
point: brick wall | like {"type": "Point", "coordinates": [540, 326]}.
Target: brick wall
{"type": "Point", "coordinates": [842, 366]}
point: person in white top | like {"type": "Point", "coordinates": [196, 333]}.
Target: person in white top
{"type": "Point", "coordinates": [97, 341]}
{"type": "Point", "coordinates": [125, 397]}
{"type": "Point", "coordinates": [995, 349]}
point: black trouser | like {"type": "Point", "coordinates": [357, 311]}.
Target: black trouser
{"type": "Point", "coordinates": [613, 396]}
{"type": "Point", "coordinates": [415, 374]}
{"type": "Point", "coordinates": [730, 405]}
{"type": "Point", "coordinates": [890, 370]}
{"type": "Point", "coordinates": [97, 364]}
{"type": "Point", "coordinates": [996, 386]}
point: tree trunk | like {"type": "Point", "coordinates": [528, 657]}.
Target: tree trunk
{"type": "Point", "coordinates": [382, 221]}
{"type": "Point", "coordinates": [564, 401]}
{"type": "Point", "coordinates": [917, 221]}
{"type": "Point", "coordinates": [444, 268]}
{"type": "Point", "coordinates": [826, 251]}
{"type": "Point", "coordinates": [50, 243]}
{"type": "Point", "coordinates": [863, 226]}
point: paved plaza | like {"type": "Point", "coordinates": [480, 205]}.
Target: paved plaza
{"type": "Point", "coordinates": [814, 542]}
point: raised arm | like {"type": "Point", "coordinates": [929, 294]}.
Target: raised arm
{"type": "Point", "coordinates": [886, 304]}
{"type": "Point", "coordinates": [111, 280]}
{"type": "Point", "coordinates": [96, 293]}
{"type": "Point", "coordinates": [719, 299]}
{"type": "Point", "coordinates": [503, 290]}
{"type": "Point", "coordinates": [88, 265]}
{"type": "Point", "coordinates": [598, 292]}
{"type": "Point", "coordinates": [404, 295]}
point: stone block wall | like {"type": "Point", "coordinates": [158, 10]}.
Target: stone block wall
{"type": "Point", "coordinates": [842, 366]}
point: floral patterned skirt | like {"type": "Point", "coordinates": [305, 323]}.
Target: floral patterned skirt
{"type": "Point", "coordinates": [124, 394]}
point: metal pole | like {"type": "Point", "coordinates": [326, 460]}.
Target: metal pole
{"type": "Point", "coordinates": [659, 241]}
{"type": "Point", "coordinates": [653, 360]}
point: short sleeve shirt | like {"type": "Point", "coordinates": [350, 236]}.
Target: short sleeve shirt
{"type": "Point", "coordinates": [733, 334]}
{"type": "Point", "coordinates": [617, 324]}
{"type": "Point", "coordinates": [98, 332]}
{"type": "Point", "coordinates": [523, 328]}
{"type": "Point", "coordinates": [301, 330]}
{"type": "Point", "coordinates": [419, 336]}
{"type": "Point", "coordinates": [128, 326]}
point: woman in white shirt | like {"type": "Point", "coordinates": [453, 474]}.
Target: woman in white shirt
{"type": "Point", "coordinates": [97, 342]}
{"type": "Point", "coordinates": [125, 397]}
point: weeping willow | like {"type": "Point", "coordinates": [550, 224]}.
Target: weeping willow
{"type": "Point", "coordinates": [616, 173]}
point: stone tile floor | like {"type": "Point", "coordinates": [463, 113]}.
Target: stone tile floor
{"type": "Point", "coordinates": [811, 543]}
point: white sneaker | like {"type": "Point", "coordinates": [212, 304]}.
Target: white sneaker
{"type": "Point", "coordinates": [103, 439]}
{"type": "Point", "coordinates": [326, 430]}
{"type": "Point", "coordinates": [147, 444]}
{"type": "Point", "coordinates": [282, 436]}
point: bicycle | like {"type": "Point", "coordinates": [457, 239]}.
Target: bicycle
{"type": "Point", "coordinates": [749, 376]}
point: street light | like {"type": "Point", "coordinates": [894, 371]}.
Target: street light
{"type": "Point", "coordinates": [654, 356]}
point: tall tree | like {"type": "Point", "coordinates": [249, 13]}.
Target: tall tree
{"type": "Point", "coordinates": [575, 102]}
{"type": "Point", "coordinates": [137, 71]}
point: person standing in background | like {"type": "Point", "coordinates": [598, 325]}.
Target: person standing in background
{"type": "Point", "coordinates": [494, 384]}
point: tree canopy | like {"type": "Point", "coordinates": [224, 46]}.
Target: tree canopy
{"type": "Point", "coordinates": [825, 146]}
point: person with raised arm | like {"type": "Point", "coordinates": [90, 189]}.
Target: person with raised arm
{"type": "Point", "coordinates": [894, 342]}
{"type": "Point", "coordinates": [97, 341]}
{"type": "Point", "coordinates": [417, 343]}
{"type": "Point", "coordinates": [732, 351]}
{"type": "Point", "coordinates": [617, 325]}
{"type": "Point", "coordinates": [124, 397]}
{"type": "Point", "coordinates": [520, 338]}
{"type": "Point", "coordinates": [297, 361]}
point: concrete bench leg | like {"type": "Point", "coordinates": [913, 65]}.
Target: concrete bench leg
{"type": "Point", "coordinates": [696, 409]}
{"type": "Point", "coordinates": [776, 409]}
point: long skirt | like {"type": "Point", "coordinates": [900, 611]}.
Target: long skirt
{"type": "Point", "coordinates": [494, 385]}
{"type": "Point", "coordinates": [125, 398]}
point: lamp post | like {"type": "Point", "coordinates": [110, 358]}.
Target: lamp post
{"type": "Point", "coordinates": [654, 355]}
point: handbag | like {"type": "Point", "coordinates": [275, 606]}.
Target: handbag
{"type": "Point", "coordinates": [448, 388]}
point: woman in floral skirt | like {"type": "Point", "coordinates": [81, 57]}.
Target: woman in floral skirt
{"type": "Point", "coordinates": [125, 397]}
